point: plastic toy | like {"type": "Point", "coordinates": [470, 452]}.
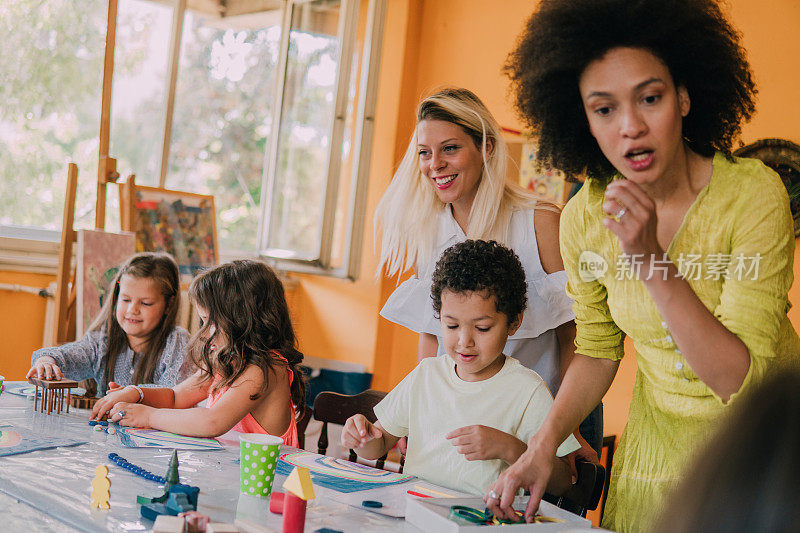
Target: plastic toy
{"type": "Point", "coordinates": [101, 486]}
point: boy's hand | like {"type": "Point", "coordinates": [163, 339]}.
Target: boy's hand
{"type": "Point", "coordinates": [45, 367]}
{"type": "Point", "coordinates": [115, 395]}
{"type": "Point", "coordinates": [131, 414]}
{"type": "Point", "coordinates": [358, 431]}
{"type": "Point", "coordinates": [478, 443]}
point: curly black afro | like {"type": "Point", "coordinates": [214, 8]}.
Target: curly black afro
{"type": "Point", "coordinates": [488, 266]}
{"type": "Point", "coordinates": [693, 39]}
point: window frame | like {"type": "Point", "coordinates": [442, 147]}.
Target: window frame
{"type": "Point", "coordinates": [361, 147]}
{"type": "Point", "coordinates": [363, 133]}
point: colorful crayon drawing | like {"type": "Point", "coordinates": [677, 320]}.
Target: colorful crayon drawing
{"type": "Point", "coordinates": [179, 223]}
{"type": "Point", "coordinates": [339, 474]}
{"type": "Point", "coordinates": [99, 256]}
{"type": "Point", "coordinates": [545, 182]}
{"type": "Point", "coordinates": [152, 438]}
{"type": "Point", "coordinates": [14, 440]}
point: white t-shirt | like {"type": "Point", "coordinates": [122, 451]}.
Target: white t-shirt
{"type": "Point", "coordinates": [432, 401]}
{"type": "Point", "coordinates": [534, 344]}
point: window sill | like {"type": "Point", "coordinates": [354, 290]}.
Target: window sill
{"type": "Point", "coordinates": [36, 251]}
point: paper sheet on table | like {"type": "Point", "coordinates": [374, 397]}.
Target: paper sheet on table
{"type": "Point", "coordinates": [14, 440]}
{"type": "Point", "coordinates": [339, 474]}
{"type": "Point", "coordinates": [153, 438]}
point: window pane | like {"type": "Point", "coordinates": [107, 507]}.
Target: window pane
{"type": "Point", "coordinates": [349, 153]}
{"type": "Point", "coordinates": [51, 64]}
{"type": "Point", "coordinates": [306, 125]}
{"type": "Point", "coordinates": [222, 118]}
{"type": "Point", "coordinates": [138, 98]}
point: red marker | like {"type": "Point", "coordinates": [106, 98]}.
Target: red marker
{"type": "Point", "coordinates": [418, 494]}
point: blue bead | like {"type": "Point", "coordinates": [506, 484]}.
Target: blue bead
{"type": "Point", "coordinates": [92, 422]}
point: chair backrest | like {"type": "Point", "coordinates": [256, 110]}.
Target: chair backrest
{"type": "Point", "coordinates": [302, 424]}
{"type": "Point", "coordinates": [585, 493]}
{"type": "Point", "coordinates": [334, 408]}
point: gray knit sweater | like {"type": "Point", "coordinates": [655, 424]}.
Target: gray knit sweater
{"type": "Point", "coordinates": [83, 359]}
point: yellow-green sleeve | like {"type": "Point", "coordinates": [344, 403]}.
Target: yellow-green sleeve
{"type": "Point", "coordinates": [597, 333]}
{"type": "Point", "coordinates": [753, 304]}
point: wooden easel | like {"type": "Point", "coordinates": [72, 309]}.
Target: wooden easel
{"type": "Point", "coordinates": [64, 322]}
{"type": "Point", "coordinates": [66, 287]}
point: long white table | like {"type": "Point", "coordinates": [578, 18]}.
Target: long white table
{"type": "Point", "coordinates": [50, 490]}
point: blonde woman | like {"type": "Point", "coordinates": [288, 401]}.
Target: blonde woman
{"type": "Point", "coordinates": [451, 186]}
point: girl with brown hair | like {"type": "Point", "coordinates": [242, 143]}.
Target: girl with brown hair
{"type": "Point", "coordinates": [248, 364]}
{"type": "Point", "coordinates": [134, 339]}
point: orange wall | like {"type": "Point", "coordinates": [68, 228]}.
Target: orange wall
{"type": "Point", "coordinates": [21, 322]}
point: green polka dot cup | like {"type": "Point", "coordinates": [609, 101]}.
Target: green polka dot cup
{"type": "Point", "coordinates": [258, 458]}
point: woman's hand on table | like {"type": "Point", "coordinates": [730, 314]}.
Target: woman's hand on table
{"type": "Point", "coordinates": [131, 414]}
{"type": "Point", "coordinates": [116, 394]}
{"type": "Point", "coordinates": [632, 219]}
{"type": "Point", "coordinates": [45, 367]}
{"type": "Point", "coordinates": [532, 472]}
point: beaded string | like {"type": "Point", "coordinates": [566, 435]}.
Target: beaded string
{"type": "Point", "coordinates": [139, 471]}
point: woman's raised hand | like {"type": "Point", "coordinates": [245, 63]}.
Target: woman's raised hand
{"type": "Point", "coordinates": [632, 218]}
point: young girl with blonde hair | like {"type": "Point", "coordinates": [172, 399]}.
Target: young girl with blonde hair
{"type": "Point", "coordinates": [248, 364]}
{"type": "Point", "coordinates": [451, 186]}
{"type": "Point", "coordinates": [134, 339]}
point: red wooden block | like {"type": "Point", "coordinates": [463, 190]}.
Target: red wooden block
{"type": "Point", "coordinates": [294, 513]}
{"type": "Point", "coordinates": [276, 503]}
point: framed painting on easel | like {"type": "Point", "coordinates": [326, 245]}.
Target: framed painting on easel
{"type": "Point", "coordinates": [180, 223]}
{"type": "Point", "coordinates": [100, 254]}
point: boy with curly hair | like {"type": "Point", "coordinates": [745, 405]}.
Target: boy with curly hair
{"type": "Point", "coordinates": [467, 415]}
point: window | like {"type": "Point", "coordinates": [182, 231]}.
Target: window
{"type": "Point", "coordinates": [52, 68]}
{"type": "Point", "coordinates": [271, 112]}
{"type": "Point", "coordinates": [222, 118]}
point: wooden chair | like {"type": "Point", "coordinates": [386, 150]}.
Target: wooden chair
{"type": "Point", "coordinates": [609, 443]}
{"type": "Point", "coordinates": [585, 493]}
{"type": "Point", "coordinates": [302, 424]}
{"type": "Point", "coordinates": [334, 408]}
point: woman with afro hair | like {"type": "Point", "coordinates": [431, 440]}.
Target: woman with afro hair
{"type": "Point", "coordinates": [671, 241]}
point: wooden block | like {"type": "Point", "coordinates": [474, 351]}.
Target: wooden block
{"type": "Point", "coordinates": [168, 524]}
{"type": "Point", "coordinates": [53, 383]}
{"type": "Point", "coordinates": [52, 393]}
{"type": "Point", "coordinates": [299, 483]}
{"type": "Point", "coordinates": [219, 527]}
{"type": "Point", "coordinates": [82, 402]}
{"type": "Point", "coordinates": [294, 513]}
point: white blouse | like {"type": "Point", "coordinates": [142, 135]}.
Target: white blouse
{"type": "Point", "coordinates": [534, 344]}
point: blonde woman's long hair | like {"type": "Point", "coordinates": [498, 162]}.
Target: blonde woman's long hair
{"type": "Point", "coordinates": [408, 212]}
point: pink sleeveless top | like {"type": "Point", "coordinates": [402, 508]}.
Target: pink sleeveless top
{"type": "Point", "coordinates": [249, 424]}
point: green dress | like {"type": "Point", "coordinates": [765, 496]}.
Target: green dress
{"type": "Point", "coordinates": [735, 247]}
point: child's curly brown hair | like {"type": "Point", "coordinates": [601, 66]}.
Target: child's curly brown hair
{"type": "Point", "coordinates": [481, 266]}
{"type": "Point", "coordinates": [692, 37]}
